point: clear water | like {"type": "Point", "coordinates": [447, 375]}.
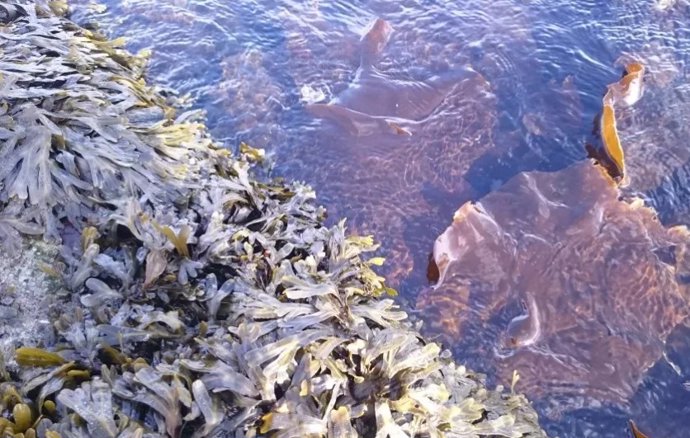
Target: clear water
{"type": "Point", "coordinates": [542, 69]}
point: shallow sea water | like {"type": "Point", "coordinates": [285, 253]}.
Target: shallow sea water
{"type": "Point", "coordinates": [541, 70]}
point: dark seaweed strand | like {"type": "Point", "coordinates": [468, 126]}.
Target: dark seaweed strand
{"type": "Point", "coordinates": [209, 303]}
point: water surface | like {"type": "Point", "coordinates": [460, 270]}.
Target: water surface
{"type": "Point", "coordinates": [541, 70]}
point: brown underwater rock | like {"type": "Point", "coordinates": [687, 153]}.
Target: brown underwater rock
{"type": "Point", "coordinates": [591, 284]}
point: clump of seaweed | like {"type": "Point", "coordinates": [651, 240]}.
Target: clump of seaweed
{"type": "Point", "coordinates": [80, 130]}
{"type": "Point", "coordinates": [210, 303]}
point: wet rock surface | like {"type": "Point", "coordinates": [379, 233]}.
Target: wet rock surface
{"type": "Point", "coordinates": [32, 296]}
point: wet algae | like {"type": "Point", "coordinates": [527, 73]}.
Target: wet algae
{"type": "Point", "coordinates": [202, 301]}
{"type": "Point", "coordinates": [569, 281]}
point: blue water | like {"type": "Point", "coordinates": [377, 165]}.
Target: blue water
{"type": "Point", "coordinates": [252, 65]}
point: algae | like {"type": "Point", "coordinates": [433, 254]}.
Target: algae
{"type": "Point", "coordinates": [204, 302]}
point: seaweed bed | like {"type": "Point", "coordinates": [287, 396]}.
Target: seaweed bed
{"type": "Point", "coordinates": [154, 287]}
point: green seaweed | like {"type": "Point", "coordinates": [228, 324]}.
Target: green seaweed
{"type": "Point", "coordinates": [21, 413]}
{"type": "Point", "coordinates": [37, 357]}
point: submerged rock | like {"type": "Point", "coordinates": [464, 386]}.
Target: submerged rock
{"type": "Point", "coordinates": [578, 289]}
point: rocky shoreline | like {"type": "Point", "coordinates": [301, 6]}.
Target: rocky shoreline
{"type": "Point", "coordinates": [184, 296]}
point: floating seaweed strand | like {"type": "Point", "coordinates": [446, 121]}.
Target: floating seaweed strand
{"type": "Point", "coordinates": [210, 303]}
{"type": "Point", "coordinates": [626, 92]}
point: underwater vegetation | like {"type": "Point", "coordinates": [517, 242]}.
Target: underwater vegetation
{"type": "Point", "coordinates": [600, 279]}
{"type": "Point", "coordinates": [396, 147]}
{"type": "Point", "coordinates": [205, 302]}
{"type": "Point", "coordinates": [635, 431]}
{"type": "Point", "coordinates": [578, 286]}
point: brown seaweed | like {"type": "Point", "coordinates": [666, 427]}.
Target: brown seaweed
{"type": "Point", "coordinates": [599, 276]}
{"type": "Point", "coordinates": [626, 92]}
{"type": "Point", "coordinates": [209, 302]}
{"type": "Point", "coordinates": [635, 431]}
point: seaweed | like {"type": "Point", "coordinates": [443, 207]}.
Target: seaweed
{"type": "Point", "coordinates": [93, 402]}
{"type": "Point", "coordinates": [66, 135]}
{"type": "Point", "coordinates": [36, 357]}
{"type": "Point", "coordinates": [624, 93]}
{"type": "Point", "coordinates": [210, 303]}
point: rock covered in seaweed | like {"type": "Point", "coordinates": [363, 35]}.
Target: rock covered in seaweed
{"type": "Point", "coordinates": [31, 295]}
{"type": "Point", "coordinates": [80, 130]}
{"type": "Point", "coordinates": [210, 303]}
